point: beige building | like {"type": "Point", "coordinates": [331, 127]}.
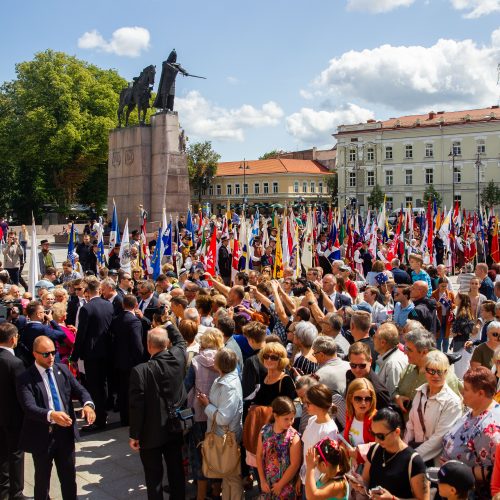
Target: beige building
{"type": "Point", "coordinates": [405, 155]}
{"type": "Point", "coordinates": [281, 180]}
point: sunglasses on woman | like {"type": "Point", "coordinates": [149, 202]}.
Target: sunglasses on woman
{"type": "Point", "coordinates": [272, 357]}
{"type": "Point", "coordinates": [362, 399]}
{"type": "Point", "coordinates": [433, 371]}
{"type": "Point", "coordinates": [379, 435]}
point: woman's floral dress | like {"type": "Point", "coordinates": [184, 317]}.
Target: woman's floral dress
{"type": "Point", "coordinates": [276, 459]}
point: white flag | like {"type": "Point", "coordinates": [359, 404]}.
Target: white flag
{"type": "Point", "coordinates": [34, 268]}
{"type": "Point", "coordinates": [125, 250]}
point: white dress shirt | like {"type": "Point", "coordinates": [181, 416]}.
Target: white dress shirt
{"type": "Point", "coordinates": [45, 378]}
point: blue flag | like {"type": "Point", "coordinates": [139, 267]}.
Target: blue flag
{"type": "Point", "coordinates": [156, 259]}
{"type": "Point", "coordinates": [114, 235]}
{"type": "Point", "coordinates": [189, 224]}
{"type": "Point", "coordinates": [71, 245]}
{"type": "Point", "coordinates": [100, 244]}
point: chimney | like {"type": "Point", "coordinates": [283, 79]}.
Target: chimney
{"type": "Point", "coordinates": [431, 115]}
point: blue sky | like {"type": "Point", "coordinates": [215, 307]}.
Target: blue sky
{"type": "Point", "coordinates": [280, 73]}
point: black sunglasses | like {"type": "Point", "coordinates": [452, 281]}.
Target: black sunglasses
{"type": "Point", "coordinates": [433, 371]}
{"type": "Point", "coordinates": [379, 435]}
{"type": "Point", "coordinates": [362, 366]}
{"type": "Point", "coordinates": [363, 399]}
{"type": "Point", "coordinates": [46, 354]}
{"type": "Point", "coordinates": [272, 357]}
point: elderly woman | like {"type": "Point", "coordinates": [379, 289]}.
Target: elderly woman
{"type": "Point", "coordinates": [483, 354]}
{"type": "Point", "coordinates": [60, 294]}
{"type": "Point", "coordinates": [224, 408]}
{"type": "Point", "coordinates": [474, 437]}
{"type": "Point", "coordinates": [59, 314]}
{"type": "Point", "coordinates": [303, 337]}
{"type": "Point", "coordinates": [419, 342]}
{"type": "Point", "coordinates": [434, 410]}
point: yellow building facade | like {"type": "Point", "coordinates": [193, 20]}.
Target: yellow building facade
{"type": "Point", "coordinates": [456, 152]}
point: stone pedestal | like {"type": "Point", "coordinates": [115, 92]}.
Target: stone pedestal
{"type": "Point", "coordinates": [146, 166]}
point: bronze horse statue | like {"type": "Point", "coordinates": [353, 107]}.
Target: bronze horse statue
{"type": "Point", "coordinates": [139, 94]}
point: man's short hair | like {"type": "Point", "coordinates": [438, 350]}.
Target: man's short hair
{"type": "Point", "coordinates": [325, 345]}
{"type": "Point", "coordinates": [180, 301]}
{"type": "Point", "coordinates": [192, 314]}
{"type": "Point", "coordinates": [255, 331]}
{"type": "Point", "coordinates": [149, 285]}
{"type": "Point", "coordinates": [242, 276]}
{"type": "Point", "coordinates": [158, 338]}
{"type": "Point", "coordinates": [109, 282]}
{"type": "Point", "coordinates": [50, 270]}
{"type": "Point", "coordinates": [32, 308]}
{"type": "Point", "coordinates": [7, 331]}
{"type": "Point", "coordinates": [360, 348]}
{"type": "Point", "coordinates": [204, 304]}
{"type": "Point", "coordinates": [489, 306]}
{"type": "Point", "coordinates": [188, 329]}
{"type": "Point", "coordinates": [239, 290]}
{"type": "Point", "coordinates": [226, 325]}
{"type": "Point", "coordinates": [389, 333]}
{"type": "Point", "coordinates": [226, 360]}
{"type": "Point", "coordinates": [93, 286]}
{"type": "Point", "coordinates": [362, 320]}
{"type": "Point", "coordinates": [395, 263]}
{"type": "Point", "coordinates": [405, 290]}
{"type": "Point", "coordinates": [219, 300]}
{"type": "Point", "coordinates": [421, 339]}
{"type": "Point", "coordinates": [129, 301]}
{"type": "Point", "coordinates": [417, 257]}
{"type": "Point", "coordinates": [335, 321]}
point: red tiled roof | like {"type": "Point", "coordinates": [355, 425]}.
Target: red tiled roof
{"type": "Point", "coordinates": [434, 119]}
{"type": "Point", "coordinates": [271, 166]}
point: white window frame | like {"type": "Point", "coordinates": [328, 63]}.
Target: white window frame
{"type": "Point", "coordinates": [408, 151]}
{"type": "Point", "coordinates": [296, 187]}
{"type": "Point", "coordinates": [389, 174]}
{"type": "Point", "coordinates": [245, 189]}
{"type": "Point", "coordinates": [352, 179]}
{"type": "Point", "coordinates": [265, 188]}
{"type": "Point", "coordinates": [320, 187]}
{"type": "Point", "coordinates": [211, 190]}
{"type": "Point", "coordinates": [429, 176]}
{"type": "Point", "coordinates": [237, 190]}
{"type": "Point", "coordinates": [370, 154]}
{"type": "Point", "coordinates": [370, 178]}
{"type": "Point", "coordinates": [481, 146]}
{"type": "Point", "coordinates": [218, 189]}
{"type": "Point", "coordinates": [457, 174]}
{"type": "Point", "coordinates": [256, 188]}
{"type": "Point", "coordinates": [304, 187]}
{"type": "Point", "coordinates": [408, 200]}
{"type": "Point", "coordinates": [353, 155]}
{"type": "Point", "coordinates": [429, 150]}
{"type": "Point", "coordinates": [389, 153]}
{"type": "Point", "coordinates": [312, 187]}
{"type": "Point", "coordinates": [229, 190]}
{"type": "Point", "coordinates": [408, 173]}
{"type": "Point", "coordinates": [276, 187]}
{"type": "Point", "coordinates": [456, 148]}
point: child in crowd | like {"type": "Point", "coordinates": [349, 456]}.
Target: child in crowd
{"type": "Point", "coordinates": [455, 481]}
{"type": "Point", "coordinates": [332, 462]}
{"type": "Point", "coordinates": [279, 452]}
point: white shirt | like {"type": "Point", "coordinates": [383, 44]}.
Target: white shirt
{"type": "Point", "coordinates": [356, 432]}
{"type": "Point", "coordinates": [8, 349]}
{"type": "Point", "coordinates": [143, 304]}
{"type": "Point", "coordinates": [45, 378]}
{"type": "Point", "coordinates": [81, 302]}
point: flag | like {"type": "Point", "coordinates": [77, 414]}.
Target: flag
{"type": "Point", "coordinates": [495, 248]}
{"type": "Point", "coordinates": [278, 259]}
{"type": "Point", "coordinates": [125, 250]}
{"type": "Point", "coordinates": [236, 256]}
{"type": "Point", "coordinates": [144, 256]}
{"type": "Point", "coordinates": [114, 235]}
{"type": "Point", "coordinates": [189, 226]}
{"type": "Point", "coordinates": [156, 259]}
{"type": "Point", "coordinates": [211, 256]}
{"type": "Point", "coordinates": [307, 245]}
{"type": "Point", "coordinates": [101, 258]}
{"type": "Point", "coordinates": [33, 270]}
{"type": "Point", "coordinates": [71, 246]}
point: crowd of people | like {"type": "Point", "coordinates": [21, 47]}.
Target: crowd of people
{"type": "Point", "coordinates": [336, 382]}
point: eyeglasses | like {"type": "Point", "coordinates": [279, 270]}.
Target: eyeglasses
{"type": "Point", "coordinates": [272, 357]}
{"type": "Point", "coordinates": [379, 435]}
{"type": "Point", "coordinates": [362, 399]}
{"type": "Point", "coordinates": [46, 354]}
{"type": "Point", "coordinates": [495, 334]}
{"type": "Point", "coordinates": [432, 371]}
{"type": "Point", "coordinates": [78, 289]}
{"type": "Point", "coordinates": [361, 366]}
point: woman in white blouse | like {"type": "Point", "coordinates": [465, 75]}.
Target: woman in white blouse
{"type": "Point", "coordinates": [434, 410]}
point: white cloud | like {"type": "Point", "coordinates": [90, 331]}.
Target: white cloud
{"type": "Point", "coordinates": [476, 8]}
{"type": "Point", "coordinates": [202, 118]}
{"type": "Point", "coordinates": [128, 41]}
{"type": "Point", "coordinates": [452, 73]}
{"type": "Point", "coordinates": [232, 80]}
{"type": "Point", "coordinates": [312, 126]}
{"type": "Point", "coordinates": [377, 6]}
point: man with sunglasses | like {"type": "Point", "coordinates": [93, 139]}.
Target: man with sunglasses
{"type": "Point", "coordinates": [45, 392]}
{"type": "Point", "coordinates": [76, 301]}
{"type": "Point", "coordinates": [483, 354]}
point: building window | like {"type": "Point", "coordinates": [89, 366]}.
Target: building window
{"type": "Point", "coordinates": [457, 175]}
{"type": "Point", "coordinates": [389, 203]}
{"type": "Point", "coordinates": [266, 187]}
{"type": "Point", "coordinates": [389, 178]}
{"type": "Point", "coordinates": [236, 189]}
{"type": "Point", "coordinates": [408, 151]}
{"type": "Point", "coordinates": [388, 153]}
{"type": "Point", "coordinates": [429, 176]}
{"type": "Point", "coordinates": [352, 179]}
{"type": "Point", "coordinates": [218, 190]}
{"type": "Point", "coordinates": [256, 188]}
{"type": "Point", "coordinates": [370, 178]}
{"type": "Point", "coordinates": [370, 154]}
{"type": "Point", "coordinates": [320, 187]}
{"type": "Point", "coordinates": [481, 147]}
{"type": "Point", "coordinates": [210, 190]}
{"type": "Point", "coordinates": [245, 188]}
{"type": "Point", "coordinates": [204, 191]}
{"type": "Point", "coordinates": [304, 187]}
{"type": "Point", "coordinates": [229, 190]}
{"type": "Point", "coordinates": [313, 187]}
{"type": "Point", "coordinates": [275, 188]}
{"type": "Point", "coordinates": [409, 200]}
{"type": "Point", "coordinates": [429, 150]}
{"type": "Point", "coordinates": [458, 197]}
{"type": "Point", "coordinates": [408, 177]}
{"type": "Point", "coordinates": [352, 154]}
{"type": "Point", "coordinates": [296, 187]}
{"type": "Point", "coordinates": [457, 148]}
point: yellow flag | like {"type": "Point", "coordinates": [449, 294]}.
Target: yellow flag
{"type": "Point", "coordinates": [278, 260]}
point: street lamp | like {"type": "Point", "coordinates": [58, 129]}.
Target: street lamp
{"type": "Point", "coordinates": [479, 164]}
{"type": "Point", "coordinates": [452, 155]}
{"type": "Point", "coordinates": [244, 166]}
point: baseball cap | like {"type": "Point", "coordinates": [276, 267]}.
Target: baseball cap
{"type": "Point", "coordinates": [362, 306]}
{"type": "Point", "coordinates": [456, 474]}
{"type": "Point", "coordinates": [345, 267]}
{"type": "Point", "coordinates": [171, 274]}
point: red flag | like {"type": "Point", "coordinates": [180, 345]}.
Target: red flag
{"type": "Point", "coordinates": [430, 230]}
{"type": "Point", "coordinates": [211, 253]}
{"type": "Point", "coordinates": [392, 250]}
{"type": "Point", "coordinates": [144, 257]}
{"type": "Point", "coordinates": [495, 247]}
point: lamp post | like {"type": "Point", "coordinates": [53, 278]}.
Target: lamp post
{"type": "Point", "coordinates": [452, 155]}
{"type": "Point", "coordinates": [244, 166]}
{"type": "Point", "coordinates": [479, 164]}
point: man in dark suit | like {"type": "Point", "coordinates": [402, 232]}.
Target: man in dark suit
{"type": "Point", "coordinates": [11, 417]}
{"type": "Point", "coordinates": [154, 388]}
{"type": "Point", "coordinates": [149, 305]}
{"type": "Point", "coordinates": [37, 326]}
{"type": "Point", "coordinates": [224, 261]}
{"type": "Point", "coordinates": [401, 277]}
{"type": "Point", "coordinates": [76, 301]}
{"type": "Point", "coordinates": [124, 284]}
{"type": "Point", "coordinates": [108, 292]}
{"type": "Point", "coordinates": [128, 350]}
{"type": "Point", "coordinates": [93, 346]}
{"type": "Point", "coordinates": [45, 392]}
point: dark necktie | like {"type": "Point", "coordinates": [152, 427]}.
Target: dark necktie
{"type": "Point", "coordinates": [53, 390]}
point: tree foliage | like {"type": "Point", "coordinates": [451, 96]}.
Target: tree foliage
{"type": "Point", "coordinates": [54, 123]}
{"type": "Point", "coordinates": [430, 194]}
{"type": "Point", "coordinates": [376, 198]}
{"type": "Point", "coordinates": [490, 196]}
{"type": "Point", "coordinates": [275, 153]}
{"type": "Point", "coordinates": [202, 166]}
{"type": "Point", "coordinates": [332, 184]}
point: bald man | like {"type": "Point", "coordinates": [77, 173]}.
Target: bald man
{"type": "Point", "coordinates": [45, 392]}
{"type": "Point", "coordinates": [425, 307]}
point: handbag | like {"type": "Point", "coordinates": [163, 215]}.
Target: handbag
{"type": "Point", "coordinates": [221, 454]}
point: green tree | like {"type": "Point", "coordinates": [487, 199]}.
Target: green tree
{"type": "Point", "coordinates": [376, 198]}
{"type": "Point", "coordinates": [430, 194]}
{"type": "Point", "coordinates": [332, 184]}
{"type": "Point", "coordinates": [54, 124]}
{"type": "Point", "coordinates": [490, 196]}
{"type": "Point", "coordinates": [202, 166]}
{"type": "Point", "coordinates": [275, 153]}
